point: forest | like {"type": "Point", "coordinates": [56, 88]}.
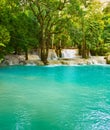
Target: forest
{"type": "Point", "coordinates": [27, 25]}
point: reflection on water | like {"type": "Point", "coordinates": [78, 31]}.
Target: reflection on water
{"type": "Point", "coordinates": [55, 98]}
{"type": "Point", "coordinates": [22, 119]}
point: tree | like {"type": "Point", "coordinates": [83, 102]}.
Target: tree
{"type": "Point", "coordinates": [106, 18]}
{"type": "Point", "coordinates": [106, 33]}
{"type": "Point", "coordinates": [4, 36]}
{"type": "Point", "coordinates": [23, 33]}
{"type": "Point", "coordinates": [4, 39]}
{"type": "Point", "coordinates": [47, 23]}
{"type": "Point", "coordinates": [87, 24]}
{"type": "Point", "coordinates": [48, 14]}
{"type": "Point", "coordinates": [21, 26]}
{"type": "Point", "coordinates": [4, 32]}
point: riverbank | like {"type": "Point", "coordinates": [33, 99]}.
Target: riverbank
{"type": "Point", "coordinates": [34, 60]}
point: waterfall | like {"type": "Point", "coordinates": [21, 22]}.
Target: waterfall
{"type": "Point", "coordinates": [65, 54]}
{"type": "Point", "coordinates": [69, 53]}
{"type": "Point", "coordinates": [52, 55]}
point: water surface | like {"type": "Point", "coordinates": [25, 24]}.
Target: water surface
{"type": "Point", "coordinates": [55, 98]}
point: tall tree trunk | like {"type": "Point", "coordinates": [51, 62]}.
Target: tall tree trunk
{"type": "Point", "coordinates": [84, 45]}
{"type": "Point", "coordinates": [26, 54]}
{"type": "Point", "coordinates": [85, 51]}
{"type": "Point", "coordinates": [44, 52]}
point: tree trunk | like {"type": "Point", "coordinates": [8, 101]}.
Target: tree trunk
{"type": "Point", "coordinates": [44, 52]}
{"type": "Point", "coordinates": [26, 54]}
{"type": "Point", "coordinates": [58, 52]}
{"type": "Point", "coordinates": [85, 51]}
{"type": "Point", "coordinates": [84, 45]}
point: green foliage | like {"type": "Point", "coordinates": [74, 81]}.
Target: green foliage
{"type": "Point", "coordinates": [106, 33]}
{"type": "Point", "coordinates": [21, 26]}
{"type": "Point", "coordinates": [4, 39]}
{"type": "Point", "coordinates": [27, 25]}
{"type": "Point", "coordinates": [4, 36]}
{"type": "Point", "coordinates": [87, 25]}
{"type": "Point", "coordinates": [51, 17]}
{"type": "Point", "coordinates": [23, 32]}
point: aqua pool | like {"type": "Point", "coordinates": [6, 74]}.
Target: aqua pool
{"type": "Point", "coordinates": [55, 98]}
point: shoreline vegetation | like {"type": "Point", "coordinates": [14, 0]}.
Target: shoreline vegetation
{"type": "Point", "coordinates": [30, 26]}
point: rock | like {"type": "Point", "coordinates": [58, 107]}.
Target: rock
{"type": "Point", "coordinates": [34, 60]}
{"type": "Point", "coordinates": [39, 62]}
{"type": "Point", "coordinates": [10, 60]}
{"type": "Point", "coordinates": [4, 63]}
{"type": "Point", "coordinates": [54, 62]}
{"type": "Point", "coordinates": [21, 58]}
{"type": "Point", "coordinates": [89, 62]}
{"type": "Point", "coordinates": [33, 57]}
{"type": "Point", "coordinates": [107, 59]}
{"type": "Point", "coordinates": [64, 62]}
{"type": "Point", "coordinates": [97, 60]}
{"type": "Point", "coordinates": [52, 55]}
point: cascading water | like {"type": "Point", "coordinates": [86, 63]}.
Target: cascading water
{"type": "Point", "coordinates": [65, 53]}
{"type": "Point", "coordinates": [52, 55]}
{"type": "Point", "coordinates": [69, 53]}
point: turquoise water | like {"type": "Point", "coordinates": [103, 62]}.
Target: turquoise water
{"type": "Point", "coordinates": [55, 98]}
